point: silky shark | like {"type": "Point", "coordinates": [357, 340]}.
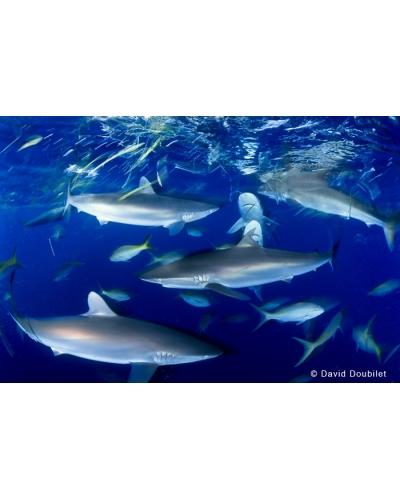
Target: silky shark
{"type": "Point", "coordinates": [102, 335]}
{"type": "Point", "coordinates": [311, 190]}
{"type": "Point", "coordinates": [245, 265]}
{"type": "Point", "coordinates": [142, 208]}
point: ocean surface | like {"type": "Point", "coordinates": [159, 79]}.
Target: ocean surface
{"type": "Point", "coordinates": [212, 160]}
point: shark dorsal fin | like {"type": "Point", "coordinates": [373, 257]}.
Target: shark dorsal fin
{"type": "Point", "coordinates": [145, 186]}
{"type": "Point", "coordinates": [247, 240]}
{"type": "Point", "coordinates": [97, 306]}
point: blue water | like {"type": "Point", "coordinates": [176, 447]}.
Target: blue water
{"type": "Point", "coordinates": [210, 159]}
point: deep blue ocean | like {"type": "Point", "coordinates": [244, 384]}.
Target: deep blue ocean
{"type": "Point", "coordinates": [214, 160]}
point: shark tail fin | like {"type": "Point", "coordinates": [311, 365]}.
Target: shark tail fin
{"type": "Point", "coordinates": [390, 228]}
{"type": "Point", "coordinates": [308, 349]}
{"type": "Point", "coordinates": [264, 317]}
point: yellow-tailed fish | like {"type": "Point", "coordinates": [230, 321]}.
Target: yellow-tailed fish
{"type": "Point", "coordinates": [117, 294]}
{"type": "Point", "coordinates": [325, 335]}
{"type": "Point", "coordinates": [385, 288]}
{"type": "Point", "coordinates": [64, 270]}
{"type": "Point", "coordinates": [126, 252]}
{"type": "Point", "coordinates": [9, 264]}
{"type": "Point", "coordinates": [364, 338]}
{"type": "Point", "coordinates": [32, 141]}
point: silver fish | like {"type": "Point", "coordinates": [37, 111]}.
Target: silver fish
{"type": "Point", "coordinates": [385, 288]}
{"type": "Point", "coordinates": [298, 312]}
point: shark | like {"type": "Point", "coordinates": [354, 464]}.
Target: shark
{"type": "Point", "coordinates": [245, 265]}
{"type": "Point", "coordinates": [102, 335]}
{"type": "Point", "coordinates": [142, 208]}
{"type": "Point", "coordinates": [310, 189]}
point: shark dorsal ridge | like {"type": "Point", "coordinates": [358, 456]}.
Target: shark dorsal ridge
{"type": "Point", "coordinates": [145, 186]}
{"type": "Point", "coordinates": [247, 240]}
{"type": "Point", "coordinates": [97, 306]}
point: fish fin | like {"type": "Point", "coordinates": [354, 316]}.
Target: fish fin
{"type": "Point", "coordinates": [308, 349]}
{"type": "Point", "coordinates": [224, 290]}
{"type": "Point", "coordinates": [56, 352]}
{"type": "Point", "coordinates": [238, 225]}
{"type": "Point", "coordinates": [175, 227]}
{"type": "Point", "coordinates": [145, 186]}
{"type": "Point", "coordinates": [141, 372]}
{"type": "Point", "coordinates": [390, 227]}
{"type": "Point", "coordinates": [288, 279]}
{"type": "Point", "coordinates": [97, 306]}
{"type": "Point", "coordinates": [247, 240]}
{"type": "Point", "coordinates": [264, 317]}
{"type": "Point", "coordinates": [257, 291]}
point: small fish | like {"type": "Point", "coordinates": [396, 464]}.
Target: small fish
{"type": "Point", "coordinates": [32, 141]}
{"type": "Point", "coordinates": [165, 258]}
{"type": "Point", "coordinates": [235, 319]}
{"type": "Point", "coordinates": [117, 294]}
{"type": "Point", "coordinates": [195, 299]}
{"type": "Point", "coordinates": [385, 288]}
{"type": "Point", "coordinates": [329, 332]}
{"type": "Point", "coordinates": [194, 231]}
{"type": "Point", "coordinates": [48, 217]}
{"type": "Point", "coordinates": [206, 321]}
{"type": "Point", "coordinates": [126, 252]}
{"type": "Point", "coordinates": [299, 312]}
{"type": "Point", "coordinates": [9, 264]}
{"type": "Point", "coordinates": [64, 270]}
{"type": "Point", "coordinates": [364, 338]}
{"type": "Point", "coordinates": [58, 233]}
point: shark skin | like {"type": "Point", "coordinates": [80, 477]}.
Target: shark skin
{"type": "Point", "coordinates": [311, 190]}
{"type": "Point", "coordinates": [102, 335]}
{"type": "Point", "coordinates": [245, 265]}
{"type": "Point", "coordinates": [143, 208]}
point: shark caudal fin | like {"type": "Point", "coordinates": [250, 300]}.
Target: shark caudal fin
{"type": "Point", "coordinates": [308, 349]}
{"type": "Point", "coordinates": [390, 228]}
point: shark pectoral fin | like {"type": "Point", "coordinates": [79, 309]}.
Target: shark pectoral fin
{"type": "Point", "coordinates": [102, 221]}
{"type": "Point", "coordinates": [141, 372]}
{"type": "Point", "coordinates": [224, 290]}
{"type": "Point", "coordinates": [175, 227]}
{"type": "Point", "coordinates": [288, 279]}
{"type": "Point", "coordinates": [57, 352]}
{"type": "Point", "coordinates": [238, 225]}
